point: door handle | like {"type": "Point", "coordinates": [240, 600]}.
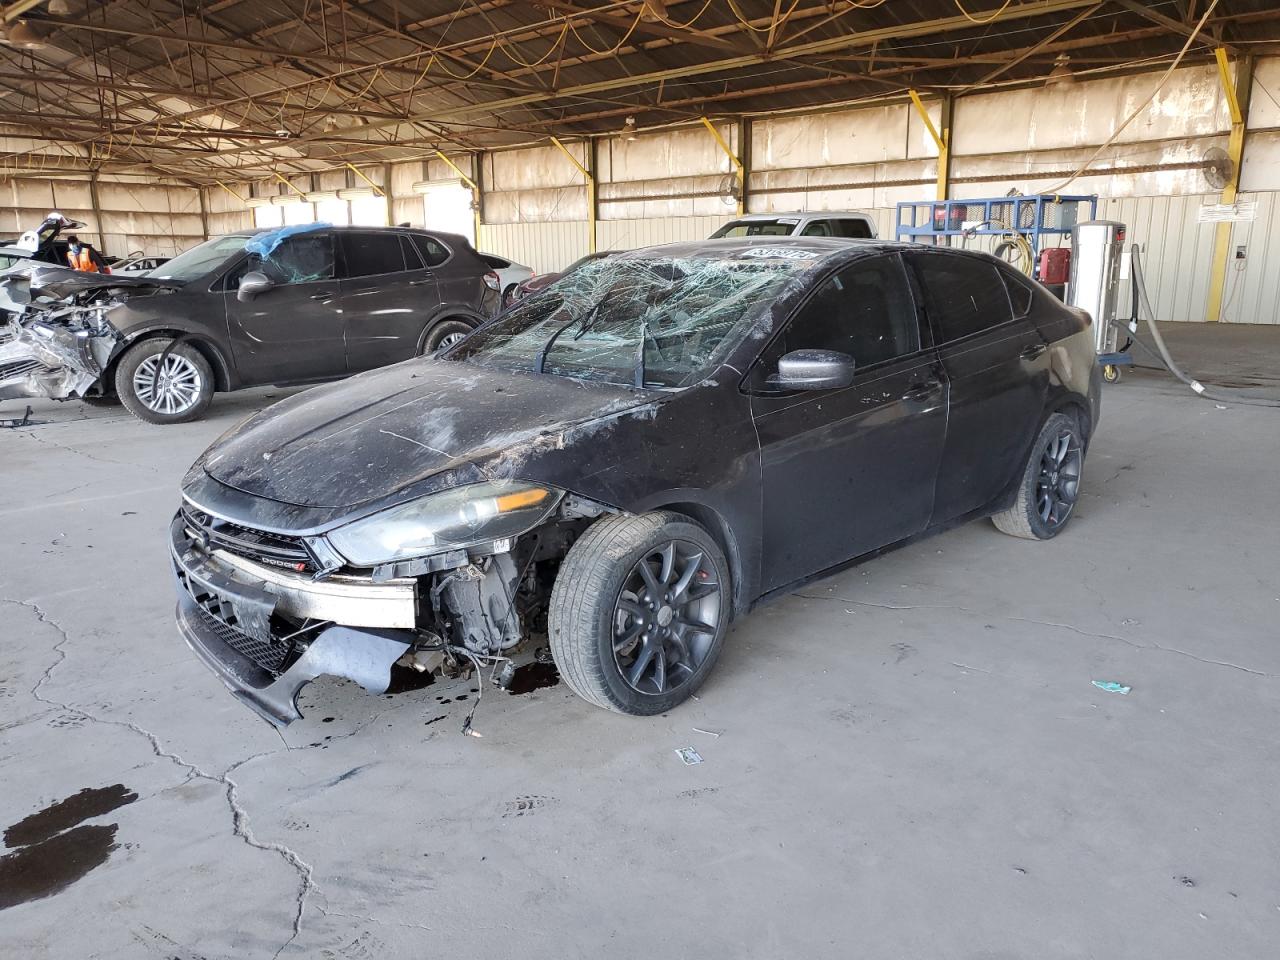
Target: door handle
{"type": "Point", "coordinates": [1033, 352]}
{"type": "Point", "coordinates": [922, 391]}
{"type": "Point", "coordinates": [422, 282]}
{"type": "Point", "coordinates": [322, 296]}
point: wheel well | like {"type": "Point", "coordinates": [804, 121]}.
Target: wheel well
{"type": "Point", "coordinates": [471, 322]}
{"type": "Point", "coordinates": [1075, 408]}
{"type": "Point", "coordinates": [221, 375]}
{"type": "Point", "coordinates": [714, 524]}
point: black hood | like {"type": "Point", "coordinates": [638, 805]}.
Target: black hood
{"type": "Point", "coordinates": [371, 436]}
{"type": "Point", "coordinates": [37, 279]}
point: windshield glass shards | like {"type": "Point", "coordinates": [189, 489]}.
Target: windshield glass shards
{"type": "Point", "coordinates": [668, 318]}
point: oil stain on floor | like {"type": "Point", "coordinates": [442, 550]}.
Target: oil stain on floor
{"type": "Point", "coordinates": [55, 848]}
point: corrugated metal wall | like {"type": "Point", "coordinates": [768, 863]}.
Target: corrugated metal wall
{"type": "Point", "coordinates": [1252, 292]}
{"type": "Point", "coordinates": [543, 246]}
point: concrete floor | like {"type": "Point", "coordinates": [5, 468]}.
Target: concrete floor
{"type": "Point", "coordinates": [912, 761]}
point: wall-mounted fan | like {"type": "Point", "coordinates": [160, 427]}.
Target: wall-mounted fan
{"type": "Point", "coordinates": [730, 189]}
{"type": "Point", "coordinates": [1217, 167]}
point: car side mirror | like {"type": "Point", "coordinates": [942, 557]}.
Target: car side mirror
{"type": "Point", "coordinates": [814, 370]}
{"type": "Point", "coordinates": [251, 284]}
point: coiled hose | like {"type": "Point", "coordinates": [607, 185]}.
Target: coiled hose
{"type": "Point", "coordinates": [1221, 394]}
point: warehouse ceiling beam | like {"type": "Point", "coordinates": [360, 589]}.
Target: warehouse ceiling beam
{"type": "Point", "coordinates": [1046, 41]}
{"type": "Point", "coordinates": [1028, 8]}
{"type": "Point", "coordinates": [629, 23]}
{"type": "Point", "coordinates": [1173, 26]}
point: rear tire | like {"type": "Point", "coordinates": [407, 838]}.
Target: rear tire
{"type": "Point", "coordinates": [1050, 484]}
{"type": "Point", "coordinates": [634, 642]}
{"type": "Point", "coordinates": [179, 391]}
{"type": "Point", "coordinates": [444, 334]}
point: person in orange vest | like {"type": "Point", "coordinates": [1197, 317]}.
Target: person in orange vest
{"type": "Point", "coordinates": [82, 256]}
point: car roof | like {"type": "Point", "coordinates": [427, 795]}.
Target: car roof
{"type": "Point", "coordinates": [454, 239]}
{"type": "Point", "coordinates": [801, 214]}
{"type": "Point", "coordinates": [726, 248]}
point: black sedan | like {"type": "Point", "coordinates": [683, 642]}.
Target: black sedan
{"type": "Point", "coordinates": [622, 464]}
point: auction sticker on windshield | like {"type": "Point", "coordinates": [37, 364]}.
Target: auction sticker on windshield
{"type": "Point", "coordinates": [780, 253]}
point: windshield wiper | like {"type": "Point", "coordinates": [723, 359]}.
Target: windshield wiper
{"type": "Point", "coordinates": [541, 361]}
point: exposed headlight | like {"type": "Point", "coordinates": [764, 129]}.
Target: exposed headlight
{"type": "Point", "coordinates": [462, 517]}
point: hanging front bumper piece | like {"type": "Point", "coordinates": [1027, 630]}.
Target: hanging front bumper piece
{"type": "Point", "coordinates": [267, 632]}
{"type": "Point", "coordinates": [46, 360]}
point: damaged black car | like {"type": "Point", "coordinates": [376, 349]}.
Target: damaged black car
{"type": "Point", "coordinates": [616, 468]}
{"type": "Point", "coordinates": [297, 305]}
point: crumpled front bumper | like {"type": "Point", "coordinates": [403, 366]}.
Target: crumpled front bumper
{"type": "Point", "coordinates": [234, 613]}
{"type": "Point", "coordinates": [45, 360]}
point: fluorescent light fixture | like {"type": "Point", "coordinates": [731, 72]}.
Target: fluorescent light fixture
{"type": "Point", "coordinates": [1061, 73]}
{"type": "Point", "coordinates": [23, 34]}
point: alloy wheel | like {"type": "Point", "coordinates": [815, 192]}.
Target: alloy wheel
{"type": "Point", "coordinates": [666, 617]}
{"type": "Point", "coordinates": [449, 340]}
{"type": "Point", "coordinates": [169, 388]}
{"type": "Point", "coordinates": [1058, 485]}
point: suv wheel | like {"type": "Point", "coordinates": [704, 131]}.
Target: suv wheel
{"type": "Point", "coordinates": [443, 335]}
{"type": "Point", "coordinates": [160, 382]}
{"type": "Point", "coordinates": [639, 612]}
{"type": "Point", "coordinates": [1050, 483]}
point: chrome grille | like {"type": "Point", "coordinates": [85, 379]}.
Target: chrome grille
{"type": "Point", "coordinates": [19, 368]}
{"type": "Point", "coordinates": [262, 546]}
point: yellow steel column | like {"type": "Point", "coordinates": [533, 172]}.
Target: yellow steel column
{"type": "Point", "coordinates": [1237, 94]}
{"type": "Point", "coordinates": [590, 184]}
{"type": "Point", "coordinates": [941, 140]}
{"type": "Point", "coordinates": [737, 164]}
{"type": "Point", "coordinates": [476, 199]}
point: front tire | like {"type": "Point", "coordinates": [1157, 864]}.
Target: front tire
{"type": "Point", "coordinates": [161, 385]}
{"type": "Point", "coordinates": [639, 612]}
{"type": "Point", "coordinates": [1050, 483]}
{"type": "Point", "coordinates": [444, 335]}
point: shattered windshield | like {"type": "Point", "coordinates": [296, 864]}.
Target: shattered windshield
{"type": "Point", "coordinates": [200, 260]}
{"type": "Point", "coordinates": [654, 320]}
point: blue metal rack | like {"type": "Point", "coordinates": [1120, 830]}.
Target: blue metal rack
{"type": "Point", "coordinates": [1034, 217]}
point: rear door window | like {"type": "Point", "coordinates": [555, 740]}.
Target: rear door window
{"type": "Point", "coordinates": [371, 254]}
{"type": "Point", "coordinates": [782, 227]}
{"type": "Point", "coordinates": [964, 295]}
{"type": "Point", "coordinates": [432, 250]}
{"type": "Point", "coordinates": [817, 228]}
{"type": "Point", "coordinates": [1021, 292]}
{"type": "Point", "coordinates": [851, 228]}
{"type": "Point", "coordinates": [412, 259]}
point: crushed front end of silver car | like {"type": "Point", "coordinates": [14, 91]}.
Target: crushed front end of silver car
{"type": "Point", "coordinates": [56, 340]}
{"type": "Point", "coordinates": [60, 357]}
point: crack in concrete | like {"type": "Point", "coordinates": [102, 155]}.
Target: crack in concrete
{"type": "Point", "coordinates": [239, 815]}
{"type": "Point", "coordinates": [1137, 645]}
{"type": "Point", "coordinates": [88, 456]}
{"type": "Point", "coordinates": [378, 920]}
